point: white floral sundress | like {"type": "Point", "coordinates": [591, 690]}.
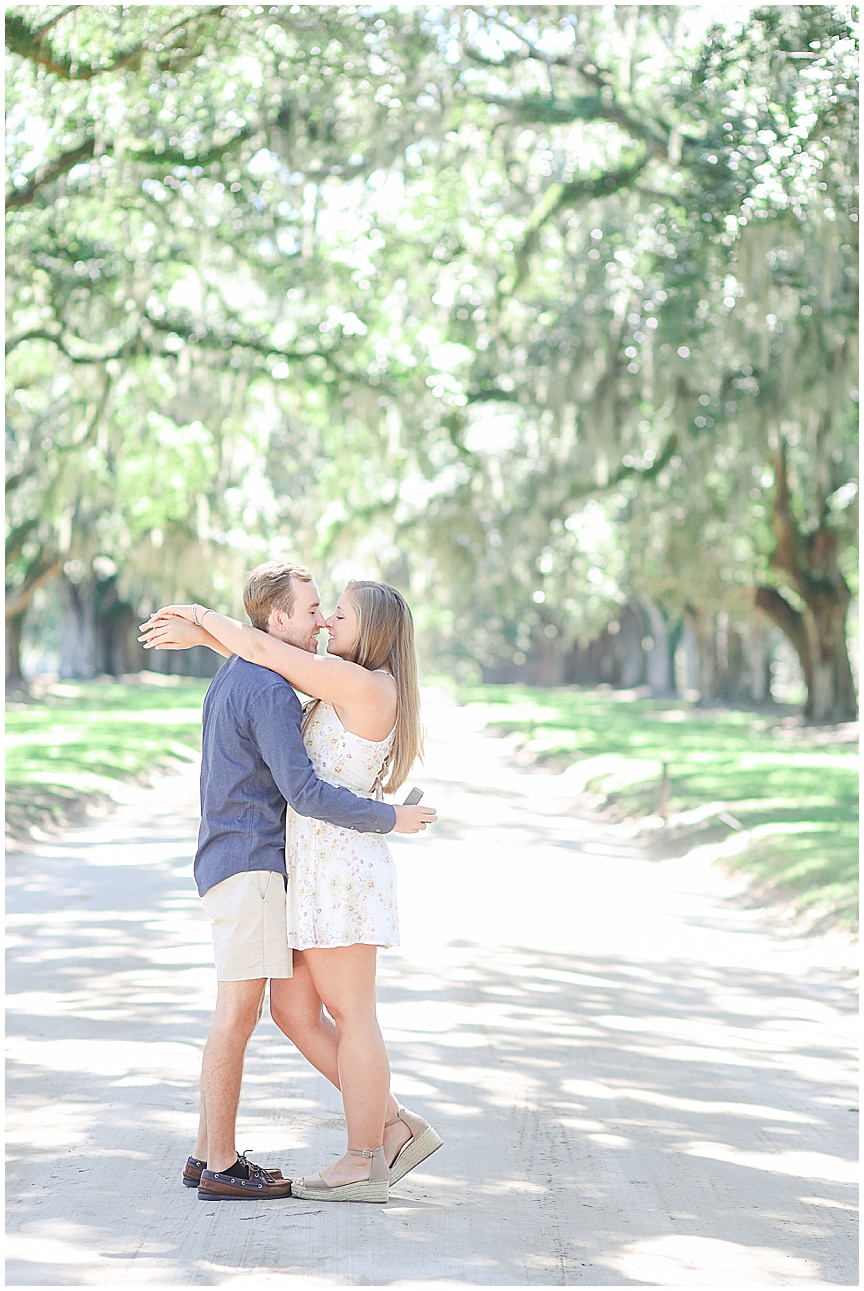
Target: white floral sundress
{"type": "Point", "coordinates": [341, 884]}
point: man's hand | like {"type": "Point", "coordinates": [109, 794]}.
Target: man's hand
{"type": "Point", "coordinates": [410, 820]}
{"type": "Point", "coordinates": [172, 634]}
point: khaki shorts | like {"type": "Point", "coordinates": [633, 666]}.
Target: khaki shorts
{"type": "Point", "coordinates": [250, 937]}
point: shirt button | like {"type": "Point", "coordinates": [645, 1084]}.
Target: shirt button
{"type": "Point", "coordinates": [377, 831]}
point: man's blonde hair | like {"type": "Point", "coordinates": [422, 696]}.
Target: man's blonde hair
{"type": "Point", "coordinates": [270, 587]}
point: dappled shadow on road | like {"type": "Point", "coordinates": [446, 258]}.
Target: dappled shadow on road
{"type": "Point", "coordinates": [717, 1091]}
{"type": "Point", "coordinates": [607, 1121]}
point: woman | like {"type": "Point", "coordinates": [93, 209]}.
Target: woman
{"type": "Point", "coordinates": [361, 729]}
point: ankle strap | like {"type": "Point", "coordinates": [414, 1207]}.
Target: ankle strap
{"type": "Point", "coordinates": [392, 1121]}
{"type": "Point", "coordinates": [364, 1152]}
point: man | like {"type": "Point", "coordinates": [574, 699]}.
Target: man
{"type": "Point", "coordinates": [252, 763]}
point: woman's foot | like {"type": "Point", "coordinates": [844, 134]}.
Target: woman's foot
{"type": "Point", "coordinates": [416, 1138]}
{"type": "Point", "coordinates": [348, 1169]}
{"type": "Point", "coordinates": [361, 1175]}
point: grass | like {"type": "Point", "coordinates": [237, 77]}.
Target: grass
{"type": "Point", "coordinates": [73, 743]}
{"type": "Point", "coordinates": [783, 796]}
{"type": "Point", "coordinates": [790, 792]}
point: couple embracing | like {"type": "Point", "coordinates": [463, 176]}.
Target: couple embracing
{"type": "Point", "coordinates": [306, 907]}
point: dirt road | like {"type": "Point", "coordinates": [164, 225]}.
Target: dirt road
{"type": "Point", "coordinates": [639, 1081]}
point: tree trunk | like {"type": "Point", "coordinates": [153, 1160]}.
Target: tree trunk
{"type": "Point", "coordinates": [632, 655]}
{"type": "Point", "coordinates": [119, 650]}
{"type": "Point", "coordinates": [14, 674]}
{"type": "Point", "coordinates": [688, 653]}
{"type": "Point", "coordinates": [734, 682]}
{"type": "Point", "coordinates": [42, 568]}
{"type": "Point", "coordinates": [78, 632]}
{"type": "Point", "coordinates": [818, 636]}
{"type": "Point", "coordinates": [702, 622]}
{"type": "Point", "coordinates": [810, 564]}
{"type": "Point", "coordinates": [660, 676]}
{"type": "Point", "coordinates": [116, 625]}
{"type": "Point", "coordinates": [831, 688]}
{"type": "Point", "coordinates": [758, 649]}
{"type": "Point", "coordinates": [549, 663]}
{"type": "Point", "coordinates": [575, 673]}
{"type": "Point", "coordinates": [610, 658]}
{"type": "Point", "coordinates": [595, 662]}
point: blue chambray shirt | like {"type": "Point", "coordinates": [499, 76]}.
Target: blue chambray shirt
{"type": "Point", "coordinates": [252, 762]}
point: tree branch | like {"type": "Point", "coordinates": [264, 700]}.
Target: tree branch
{"type": "Point", "coordinates": [787, 555]}
{"type": "Point", "coordinates": [28, 43]}
{"type": "Point", "coordinates": [171, 156]}
{"type": "Point", "coordinates": [167, 156]}
{"type": "Point", "coordinates": [476, 56]}
{"type": "Point", "coordinates": [55, 338]}
{"type": "Point", "coordinates": [650, 472]}
{"type": "Point", "coordinates": [48, 172]}
{"type": "Point", "coordinates": [212, 340]}
{"type": "Point", "coordinates": [789, 620]}
{"type": "Point", "coordinates": [185, 328]}
{"type": "Point", "coordinates": [43, 569]}
{"type": "Point", "coordinates": [807, 560]}
{"type": "Point", "coordinates": [530, 108]}
{"type": "Point", "coordinates": [558, 197]}
{"type": "Point", "coordinates": [588, 70]}
{"type": "Point", "coordinates": [52, 22]}
{"type": "Point", "coordinates": [17, 537]}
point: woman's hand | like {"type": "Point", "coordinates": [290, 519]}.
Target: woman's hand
{"type": "Point", "coordinates": [176, 611]}
{"type": "Point", "coordinates": [172, 633]}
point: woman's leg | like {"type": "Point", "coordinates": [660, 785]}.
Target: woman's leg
{"type": "Point", "coordinates": [297, 1010]}
{"type": "Point", "coordinates": [344, 979]}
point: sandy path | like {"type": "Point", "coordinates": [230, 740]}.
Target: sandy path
{"type": "Point", "coordinates": [638, 1081]}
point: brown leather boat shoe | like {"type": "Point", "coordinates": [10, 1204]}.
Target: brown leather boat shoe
{"type": "Point", "coordinates": [193, 1167]}
{"type": "Point", "coordinates": [262, 1185]}
{"type": "Point", "coordinates": [192, 1172]}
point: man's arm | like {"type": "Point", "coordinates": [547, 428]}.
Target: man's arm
{"type": "Point", "coordinates": [275, 726]}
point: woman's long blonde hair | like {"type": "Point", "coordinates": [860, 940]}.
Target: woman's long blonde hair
{"type": "Point", "coordinates": [385, 639]}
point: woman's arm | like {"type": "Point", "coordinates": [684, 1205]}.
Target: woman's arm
{"type": "Point", "coordinates": [322, 676]}
{"type": "Point", "coordinates": [179, 634]}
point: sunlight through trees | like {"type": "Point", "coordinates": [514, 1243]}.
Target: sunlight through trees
{"type": "Point", "coordinates": [546, 314]}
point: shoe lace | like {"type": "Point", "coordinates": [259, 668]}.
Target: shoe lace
{"type": "Point", "coordinates": [255, 1171]}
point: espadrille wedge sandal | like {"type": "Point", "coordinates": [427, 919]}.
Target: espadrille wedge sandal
{"type": "Point", "coordinates": [422, 1143]}
{"type": "Point", "coordinates": [375, 1188]}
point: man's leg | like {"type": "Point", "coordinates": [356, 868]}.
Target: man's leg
{"type": "Point", "coordinates": [247, 914]}
{"type": "Point", "coordinates": [200, 1152]}
{"type": "Point", "coordinates": [238, 1009]}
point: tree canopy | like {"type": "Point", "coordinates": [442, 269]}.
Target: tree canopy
{"type": "Point", "coordinates": [547, 314]}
